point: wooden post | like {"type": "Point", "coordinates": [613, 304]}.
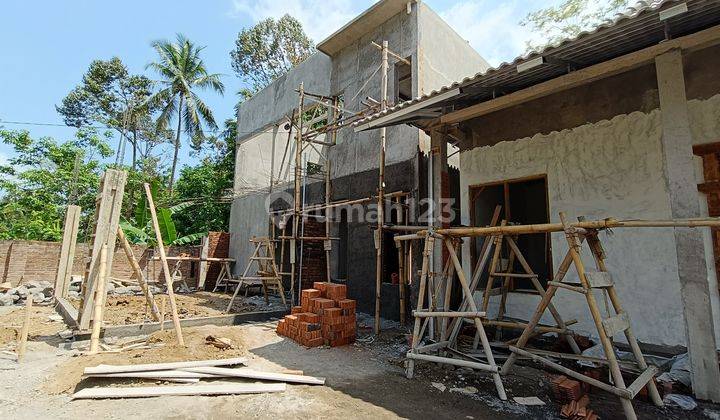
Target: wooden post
{"type": "Point", "coordinates": [162, 313]}
{"type": "Point", "coordinates": [67, 252]}
{"type": "Point", "coordinates": [107, 220]}
{"type": "Point", "coordinates": [421, 301]}
{"type": "Point", "coordinates": [99, 302]}
{"type": "Point", "coordinates": [166, 269]}
{"type": "Point", "coordinates": [203, 269]}
{"type": "Point", "coordinates": [142, 281]}
{"type": "Point", "coordinates": [22, 344]}
{"type": "Point", "coordinates": [381, 190]}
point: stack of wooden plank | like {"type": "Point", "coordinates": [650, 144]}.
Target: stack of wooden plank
{"type": "Point", "coordinates": [325, 316]}
{"type": "Point", "coordinates": [190, 372]}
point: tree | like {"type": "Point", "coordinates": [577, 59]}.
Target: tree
{"type": "Point", "coordinates": [568, 19]}
{"type": "Point", "coordinates": [268, 50]}
{"type": "Point", "coordinates": [111, 96]}
{"type": "Point", "coordinates": [182, 70]}
{"type": "Point", "coordinates": [39, 180]}
{"type": "Point", "coordinates": [208, 186]}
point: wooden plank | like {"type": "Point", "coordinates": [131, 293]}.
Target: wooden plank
{"type": "Point", "coordinates": [154, 374]}
{"type": "Point", "coordinates": [22, 342]}
{"type": "Point", "coordinates": [203, 269]}
{"type": "Point", "coordinates": [616, 324]}
{"type": "Point", "coordinates": [158, 391]}
{"type": "Point", "coordinates": [642, 380]}
{"type": "Point", "coordinates": [107, 220]}
{"type": "Point", "coordinates": [166, 270]}
{"type": "Point", "coordinates": [142, 281]}
{"type": "Point", "coordinates": [599, 279]}
{"type": "Point", "coordinates": [67, 251]}
{"type": "Point", "coordinates": [584, 76]}
{"type": "Point", "coordinates": [454, 362]}
{"type": "Point", "coordinates": [99, 308]}
{"type": "Point", "coordinates": [254, 374]}
{"type": "Point", "coordinates": [163, 366]}
{"type": "Point", "coordinates": [622, 393]}
{"type": "Point", "coordinates": [450, 314]}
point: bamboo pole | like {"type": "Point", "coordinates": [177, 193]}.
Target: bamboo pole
{"type": "Point", "coordinates": [427, 250]}
{"type": "Point", "coordinates": [381, 190]}
{"type": "Point", "coordinates": [166, 269]}
{"type": "Point", "coordinates": [296, 204]}
{"type": "Point", "coordinates": [97, 319]}
{"type": "Point", "coordinates": [478, 324]}
{"type": "Point", "coordinates": [142, 281]}
{"type": "Point", "coordinates": [593, 224]}
{"type": "Point", "coordinates": [22, 344]}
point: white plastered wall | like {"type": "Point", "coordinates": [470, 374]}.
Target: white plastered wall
{"type": "Point", "coordinates": [607, 169]}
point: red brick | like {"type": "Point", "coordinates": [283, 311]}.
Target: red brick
{"type": "Point", "coordinates": [336, 292]}
{"type": "Point", "coordinates": [333, 313]}
{"type": "Point", "coordinates": [315, 342]}
{"type": "Point", "coordinates": [347, 304]}
{"type": "Point", "coordinates": [320, 285]}
{"type": "Point", "coordinates": [310, 293]}
{"type": "Point", "coordinates": [296, 310]}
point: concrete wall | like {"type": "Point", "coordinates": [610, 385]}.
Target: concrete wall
{"type": "Point", "coordinates": [352, 67]}
{"type": "Point", "coordinates": [273, 103]}
{"type": "Point", "coordinates": [248, 218]}
{"type": "Point", "coordinates": [608, 169]}
{"type": "Point", "coordinates": [602, 158]}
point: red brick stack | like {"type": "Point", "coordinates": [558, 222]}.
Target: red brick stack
{"type": "Point", "coordinates": [325, 316]}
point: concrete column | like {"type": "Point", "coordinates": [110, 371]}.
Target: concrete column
{"type": "Point", "coordinates": [438, 154]}
{"type": "Point", "coordinates": [681, 184]}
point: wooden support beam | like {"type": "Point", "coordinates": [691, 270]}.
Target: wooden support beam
{"type": "Point", "coordinates": [22, 341]}
{"type": "Point", "coordinates": [166, 269]}
{"type": "Point", "coordinates": [142, 281]}
{"type": "Point", "coordinates": [203, 269]}
{"type": "Point", "coordinates": [587, 75]}
{"type": "Point", "coordinates": [107, 220]}
{"type": "Point", "coordinates": [99, 302]}
{"type": "Point", "coordinates": [67, 251]}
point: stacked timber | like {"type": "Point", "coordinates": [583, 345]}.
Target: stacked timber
{"type": "Point", "coordinates": [325, 317]}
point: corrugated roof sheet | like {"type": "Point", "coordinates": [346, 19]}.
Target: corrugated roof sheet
{"type": "Point", "coordinates": [638, 27]}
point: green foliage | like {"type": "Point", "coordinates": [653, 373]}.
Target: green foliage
{"type": "Point", "coordinates": [568, 19]}
{"type": "Point", "coordinates": [268, 50]}
{"type": "Point", "coordinates": [38, 181]}
{"type": "Point", "coordinates": [205, 190]}
{"type": "Point", "coordinates": [182, 72]}
{"type": "Point", "coordinates": [111, 96]}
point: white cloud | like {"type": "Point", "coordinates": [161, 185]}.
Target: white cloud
{"type": "Point", "coordinates": [493, 27]}
{"type": "Point", "coordinates": [320, 18]}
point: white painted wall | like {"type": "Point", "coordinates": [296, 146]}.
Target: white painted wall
{"type": "Point", "coordinates": [607, 169]}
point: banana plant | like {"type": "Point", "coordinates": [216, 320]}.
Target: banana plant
{"type": "Point", "coordinates": [140, 230]}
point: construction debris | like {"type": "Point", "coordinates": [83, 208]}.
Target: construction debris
{"type": "Point", "coordinates": [220, 342]}
{"type": "Point", "coordinates": [41, 291]}
{"type": "Point", "coordinates": [325, 316]}
{"type": "Point", "coordinates": [190, 372]}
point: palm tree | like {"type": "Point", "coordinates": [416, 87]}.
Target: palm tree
{"type": "Point", "coordinates": [183, 70]}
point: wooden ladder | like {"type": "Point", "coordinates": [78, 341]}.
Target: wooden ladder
{"type": "Point", "coordinates": [506, 274]}
{"type": "Point", "coordinates": [440, 314]}
{"type": "Point", "coordinates": [589, 282]}
{"type": "Point", "coordinates": [267, 275]}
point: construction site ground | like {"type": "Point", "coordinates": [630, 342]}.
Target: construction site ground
{"type": "Point", "coordinates": [132, 309]}
{"type": "Point", "coordinates": [364, 380]}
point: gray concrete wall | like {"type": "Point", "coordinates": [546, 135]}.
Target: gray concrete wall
{"type": "Point", "coordinates": [248, 218]}
{"type": "Point", "coordinates": [444, 56]}
{"type": "Point", "coordinates": [352, 67]}
{"type": "Point", "coordinates": [278, 99]}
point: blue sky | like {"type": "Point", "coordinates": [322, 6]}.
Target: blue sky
{"type": "Point", "coordinates": [46, 46]}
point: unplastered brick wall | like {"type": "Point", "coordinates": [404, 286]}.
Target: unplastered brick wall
{"type": "Point", "coordinates": [23, 261]}
{"type": "Point", "coordinates": [313, 264]}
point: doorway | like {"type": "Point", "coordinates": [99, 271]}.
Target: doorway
{"type": "Point", "coordinates": [522, 201]}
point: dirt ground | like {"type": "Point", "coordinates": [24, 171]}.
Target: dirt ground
{"type": "Point", "coordinates": [123, 310]}
{"type": "Point", "coordinates": [365, 380]}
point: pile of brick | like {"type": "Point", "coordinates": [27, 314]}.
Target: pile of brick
{"type": "Point", "coordinates": [573, 396]}
{"type": "Point", "coordinates": [325, 317]}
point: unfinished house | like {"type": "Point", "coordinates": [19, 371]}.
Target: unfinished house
{"type": "Point", "coordinates": [346, 68]}
{"type": "Point", "coordinates": [621, 122]}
